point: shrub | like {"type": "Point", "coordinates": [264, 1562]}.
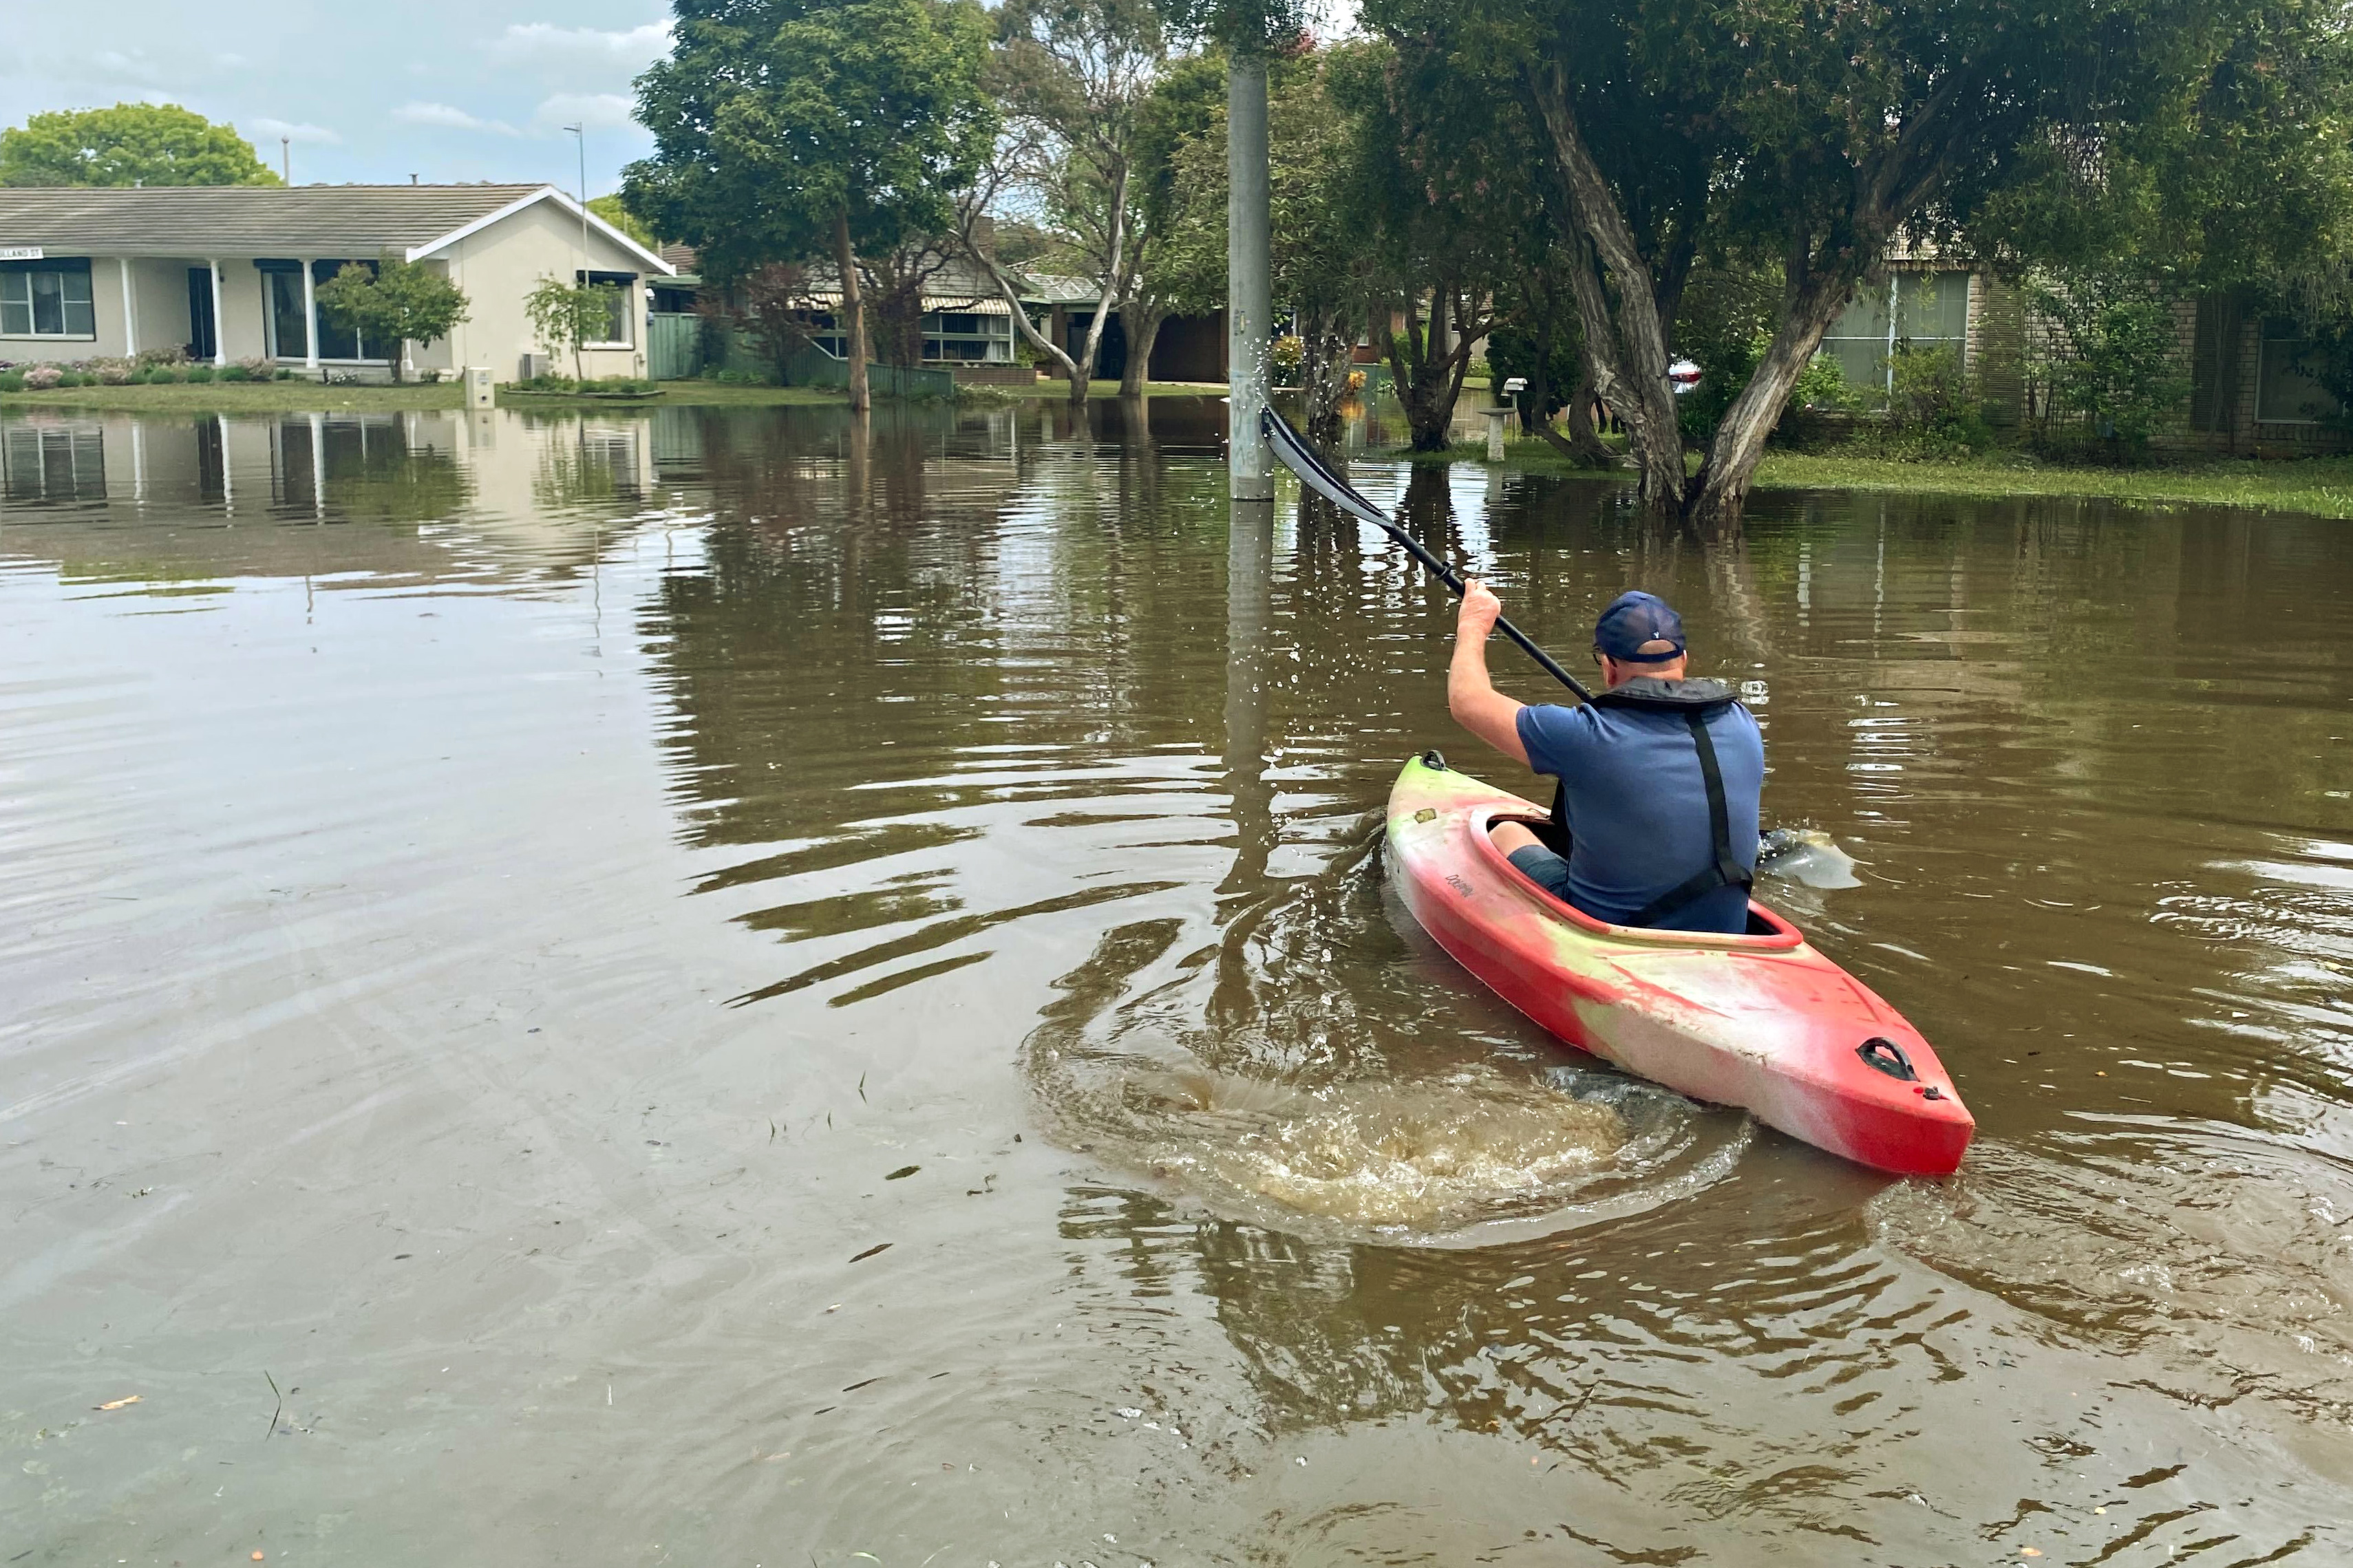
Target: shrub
{"type": "Point", "coordinates": [2111, 356]}
{"type": "Point", "coordinates": [12, 380]}
{"type": "Point", "coordinates": [200, 372]}
{"type": "Point", "coordinates": [236, 372]}
{"type": "Point", "coordinates": [172, 355]}
{"type": "Point", "coordinates": [113, 372]}
{"type": "Point", "coordinates": [259, 367]}
{"type": "Point", "coordinates": [69, 378]}
{"type": "Point", "coordinates": [168, 374]}
{"type": "Point", "coordinates": [1290, 352]}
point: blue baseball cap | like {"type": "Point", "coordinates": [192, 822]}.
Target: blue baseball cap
{"type": "Point", "coordinates": [1633, 619]}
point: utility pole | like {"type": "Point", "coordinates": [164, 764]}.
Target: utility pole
{"type": "Point", "coordinates": [580, 135]}
{"type": "Point", "coordinates": [1249, 289]}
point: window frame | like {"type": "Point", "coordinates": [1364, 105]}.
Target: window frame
{"type": "Point", "coordinates": [322, 269]}
{"type": "Point", "coordinates": [624, 303]}
{"type": "Point", "coordinates": [2265, 339]}
{"type": "Point", "coordinates": [62, 267]}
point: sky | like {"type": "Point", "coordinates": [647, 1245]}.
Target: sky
{"type": "Point", "coordinates": [445, 89]}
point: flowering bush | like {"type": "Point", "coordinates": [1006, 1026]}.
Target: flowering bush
{"type": "Point", "coordinates": [259, 367]}
{"type": "Point", "coordinates": [111, 371]}
{"type": "Point", "coordinates": [42, 377]}
{"type": "Point", "coordinates": [172, 355]}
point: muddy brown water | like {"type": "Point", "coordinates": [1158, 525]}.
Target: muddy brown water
{"type": "Point", "coordinates": [711, 988]}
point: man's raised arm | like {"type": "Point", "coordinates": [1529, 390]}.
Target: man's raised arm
{"type": "Point", "coordinates": [1471, 696]}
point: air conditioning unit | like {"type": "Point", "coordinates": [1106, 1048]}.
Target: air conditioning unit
{"type": "Point", "coordinates": [533, 366]}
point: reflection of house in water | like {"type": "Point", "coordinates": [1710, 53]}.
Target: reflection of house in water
{"type": "Point", "coordinates": [414, 494]}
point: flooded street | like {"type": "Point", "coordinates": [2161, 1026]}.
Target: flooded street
{"type": "Point", "coordinates": [712, 987]}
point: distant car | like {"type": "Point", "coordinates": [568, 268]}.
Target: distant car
{"type": "Point", "coordinates": [1683, 376]}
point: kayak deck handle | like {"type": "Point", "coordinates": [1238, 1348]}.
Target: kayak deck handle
{"type": "Point", "coordinates": [1434, 758]}
{"type": "Point", "coordinates": [1888, 1057]}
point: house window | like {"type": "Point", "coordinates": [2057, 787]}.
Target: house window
{"type": "Point", "coordinates": [1919, 311]}
{"type": "Point", "coordinates": [620, 307]}
{"type": "Point", "coordinates": [2284, 393]}
{"type": "Point", "coordinates": [49, 299]}
{"type": "Point", "coordinates": [339, 342]}
{"type": "Point", "coordinates": [969, 337]}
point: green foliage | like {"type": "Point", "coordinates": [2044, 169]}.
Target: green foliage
{"type": "Point", "coordinates": [773, 119]}
{"type": "Point", "coordinates": [2113, 355]}
{"type": "Point", "coordinates": [129, 144]}
{"type": "Point", "coordinates": [397, 301]}
{"type": "Point", "coordinates": [1252, 26]}
{"type": "Point", "coordinates": [12, 381]}
{"type": "Point", "coordinates": [2326, 357]}
{"type": "Point", "coordinates": [1512, 351]}
{"type": "Point", "coordinates": [563, 316]}
{"type": "Point", "coordinates": [614, 211]}
{"type": "Point", "coordinates": [1931, 398]}
{"type": "Point", "coordinates": [200, 372]}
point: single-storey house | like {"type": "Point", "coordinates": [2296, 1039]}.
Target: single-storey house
{"type": "Point", "coordinates": [232, 273]}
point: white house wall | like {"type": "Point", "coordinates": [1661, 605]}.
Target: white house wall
{"type": "Point", "coordinates": [498, 265]}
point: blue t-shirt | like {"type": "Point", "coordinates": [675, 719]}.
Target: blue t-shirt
{"type": "Point", "coordinates": [1636, 805]}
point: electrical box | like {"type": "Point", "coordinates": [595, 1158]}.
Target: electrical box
{"type": "Point", "coordinates": [479, 394]}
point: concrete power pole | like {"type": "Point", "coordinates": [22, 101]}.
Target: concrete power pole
{"type": "Point", "coordinates": [1249, 290]}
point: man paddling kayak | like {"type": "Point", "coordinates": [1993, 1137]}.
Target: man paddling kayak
{"type": "Point", "coordinates": [1659, 775]}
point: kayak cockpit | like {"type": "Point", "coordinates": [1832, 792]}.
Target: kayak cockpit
{"type": "Point", "coordinates": [1767, 932]}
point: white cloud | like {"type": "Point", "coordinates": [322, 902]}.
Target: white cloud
{"type": "Point", "coordinates": [596, 110]}
{"type": "Point", "coordinates": [113, 65]}
{"type": "Point", "coordinates": [449, 117]}
{"type": "Point", "coordinates": [631, 47]}
{"type": "Point", "coordinates": [266, 126]}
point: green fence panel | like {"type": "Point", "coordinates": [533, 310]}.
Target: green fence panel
{"type": "Point", "coordinates": [815, 367]}
{"type": "Point", "coordinates": [673, 346]}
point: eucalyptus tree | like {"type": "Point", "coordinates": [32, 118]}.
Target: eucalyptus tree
{"type": "Point", "coordinates": [1074, 77]}
{"type": "Point", "coordinates": [786, 130]}
{"type": "Point", "coordinates": [1817, 133]}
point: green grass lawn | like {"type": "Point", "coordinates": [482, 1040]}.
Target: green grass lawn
{"type": "Point", "coordinates": [2320, 486]}
{"type": "Point", "coordinates": [239, 397]}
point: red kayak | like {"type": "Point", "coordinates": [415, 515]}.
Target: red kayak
{"type": "Point", "coordinates": [1762, 1021]}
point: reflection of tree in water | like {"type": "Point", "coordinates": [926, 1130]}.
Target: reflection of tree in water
{"type": "Point", "coordinates": [896, 627]}
{"type": "Point", "coordinates": [367, 469]}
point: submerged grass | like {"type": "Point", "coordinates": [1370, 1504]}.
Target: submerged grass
{"type": "Point", "coordinates": [2322, 487]}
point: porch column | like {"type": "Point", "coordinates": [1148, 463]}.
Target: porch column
{"type": "Point", "coordinates": [310, 314]}
{"type": "Point", "coordinates": [220, 322]}
{"type": "Point", "coordinates": [130, 310]}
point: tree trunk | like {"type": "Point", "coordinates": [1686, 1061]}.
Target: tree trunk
{"type": "Point", "coordinates": [1324, 371]}
{"type": "Point", "coordinates": [1715, 494]}
{"type": "Point", "coordinates": [1144, 331]}
{"type": "Point", "coordinates": [854, 308]}
{"type": "Point", "coordinates": [1429, 383]}
{"type": "Point", "coordinates": [1583, 439]}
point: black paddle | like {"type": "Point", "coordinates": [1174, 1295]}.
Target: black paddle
{"type": "Point", "coordinates": [1304, 462]}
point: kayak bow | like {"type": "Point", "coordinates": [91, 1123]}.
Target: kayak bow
{"type": "Point", "coordinates": [1762, 1021]}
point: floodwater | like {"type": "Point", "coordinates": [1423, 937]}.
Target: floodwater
{"type": "Point", "coordinates": [720, 988]}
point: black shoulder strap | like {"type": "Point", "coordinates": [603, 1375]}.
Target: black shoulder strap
{"type": "Point", "coordinates": [1724, 871]}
